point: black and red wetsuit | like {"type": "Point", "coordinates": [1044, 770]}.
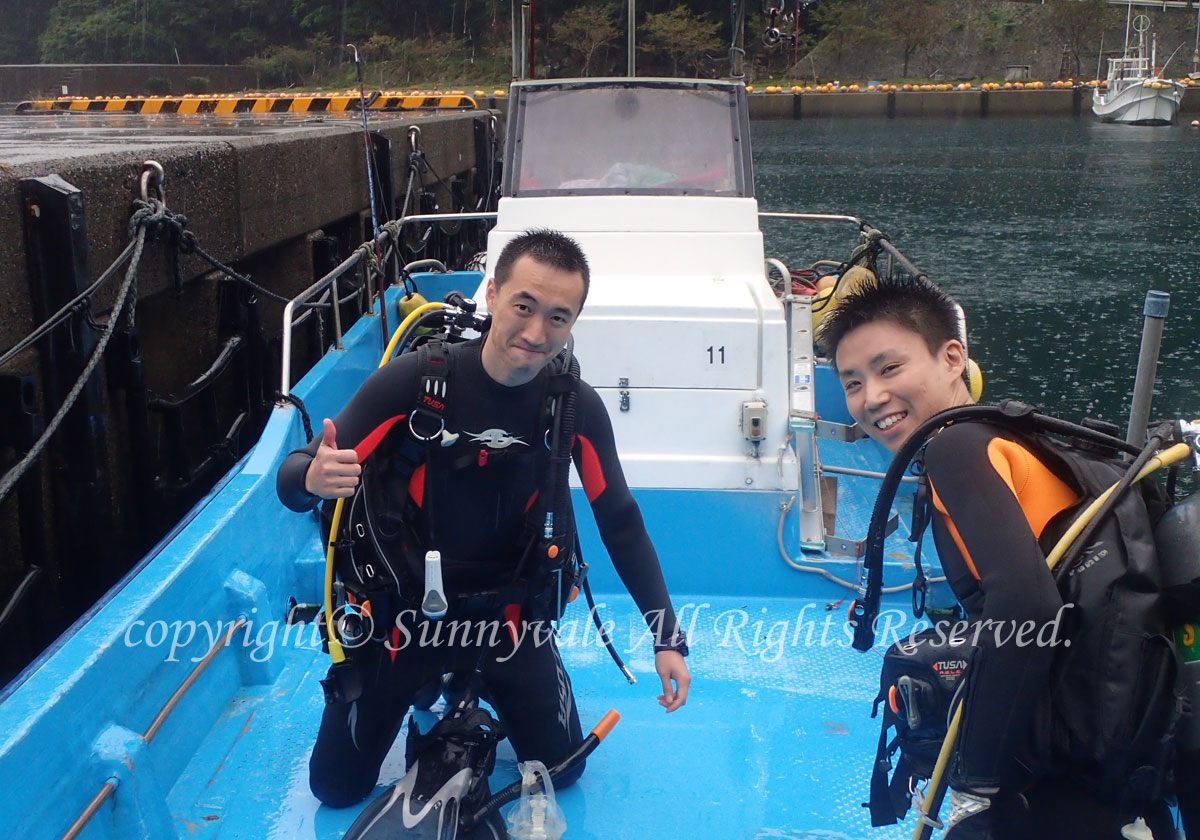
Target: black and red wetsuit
{"type": "Point", "coordinates": [471, 500]}
{"type": "Point", "coordinates": [995, 498]}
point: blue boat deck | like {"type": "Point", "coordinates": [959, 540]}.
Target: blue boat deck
{"type": "Point", "coordinates": [776, 740]}
{"type": "Point", "coordinates": [766, 747]}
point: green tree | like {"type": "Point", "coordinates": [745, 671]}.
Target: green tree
{"type": "Point", "coordinates": [1078, 26]}
{"type": "Point", "coordinates": [23, 22]}
{"type": "Point", "coordinates": [165, 31]}
{"type": "Point", "coordinates": [379, 48]}
{"type": "Point", "coordinates": [283, 67]}
{"type": "Point", "coordinates": [678, 38]}
{"type": "Point", "coordinates": [846, 27]}
{"type": "Point", "coordinates": [914, 25]}
{"type": "Point", "coordinates": [586, 30]}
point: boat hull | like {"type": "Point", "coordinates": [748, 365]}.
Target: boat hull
{"type": "Point", "coordinates": [1141, 104]}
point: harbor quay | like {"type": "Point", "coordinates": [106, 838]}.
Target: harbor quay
{"type": "Point", "coordinates": [192, 369]}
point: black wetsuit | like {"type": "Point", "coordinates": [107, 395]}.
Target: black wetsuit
{"type": "Point", "coordinates": [470, 502]}
{"type": "Point", "coordinates": [995, 498]}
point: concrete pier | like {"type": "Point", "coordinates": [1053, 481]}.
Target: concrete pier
{"type": "Point", "coordinates": [902, 104]}
{"type": "Point", "coordinates": [184, 393]}
{"type": "Point", "coordinates": [246, 184]}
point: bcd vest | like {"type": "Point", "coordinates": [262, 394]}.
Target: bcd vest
{"type": "Point", "coordinates": [1109, 710]}
{"type": "Point", "coordinates": [380, 555]}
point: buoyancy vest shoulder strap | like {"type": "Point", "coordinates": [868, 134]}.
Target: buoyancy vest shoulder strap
{"type": "Point", "coordinates": [428, 418]}
{"type": "Point", "coordinates": [1040, 492]}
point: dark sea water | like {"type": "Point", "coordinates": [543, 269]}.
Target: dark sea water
{"type": "Point", "coordinates": [1049, 232]}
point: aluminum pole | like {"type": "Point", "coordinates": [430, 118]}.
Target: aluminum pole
{"type": "Point", "coordinates": [1155, 311]}
{"type": "Point", "coordinates": [517, 41]}
{"type": "Point", "coordinates": [632, 71]}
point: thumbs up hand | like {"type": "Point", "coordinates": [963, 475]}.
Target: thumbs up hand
{"type": "Point", "coordinates": [333, 473]}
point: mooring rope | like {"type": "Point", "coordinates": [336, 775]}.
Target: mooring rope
{"type": "Point", "coordinates": [142, 218]}
{"type": "Point", "coordinates": [68, 309]}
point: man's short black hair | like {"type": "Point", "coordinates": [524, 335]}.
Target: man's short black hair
{"type": "Point", "coordinates": [914, 303]}
{"type": "Point", "coordinates": [549, 247]}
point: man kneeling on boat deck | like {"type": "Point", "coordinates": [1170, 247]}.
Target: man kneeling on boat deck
{"type": "Point", "coordinates": [898, 355]}
{"type": "Point", "coordinates": [471, 499]}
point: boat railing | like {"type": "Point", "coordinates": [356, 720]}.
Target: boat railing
{"type": "Point", "coordinates": [869, 232]}
{"type": "Point", "coordinates": [380, 255]}
{"type": "Point", "coordinates": [1128, 69]}
{"type": "Point", "coordinates": [385, 260]}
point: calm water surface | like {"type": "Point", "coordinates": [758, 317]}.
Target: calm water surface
{"type": "Point", "coordinates": [1049, 233]}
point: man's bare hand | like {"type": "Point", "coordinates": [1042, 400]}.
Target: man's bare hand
{"type": "Point", "coordinates": [333, 473]}
{"type": "Point", "coordinates": [676, 679]}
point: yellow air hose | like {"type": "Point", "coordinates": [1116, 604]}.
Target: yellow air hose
{"type": "Point", "coordinates": [335, 648]}
{"type": "Point", "coordinates": [936, 789]}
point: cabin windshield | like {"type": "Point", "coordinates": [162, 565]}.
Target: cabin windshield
{"type": "Point", "coordinates": [624, 139]}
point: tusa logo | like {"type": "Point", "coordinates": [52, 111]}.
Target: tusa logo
{"type": "Point", "coordinates": [949, 667]}
{"type": "Point", "coordinates": [436, 405]}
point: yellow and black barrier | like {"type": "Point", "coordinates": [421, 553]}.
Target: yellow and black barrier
{"type": "Point", "coordinates": [419, 101]}
{"type": "Point", "coordinates": [257, 104]}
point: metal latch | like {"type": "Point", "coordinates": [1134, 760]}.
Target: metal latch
{"type": "Point", "coordinates": [857, 548]}
{"type": "Point", "coordinates": [840, 431]}
{"type": "Point", "coordinates": [623, 384]}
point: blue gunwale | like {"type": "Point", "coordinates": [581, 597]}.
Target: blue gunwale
{"type": "Point", "coordinates": [775, 741]}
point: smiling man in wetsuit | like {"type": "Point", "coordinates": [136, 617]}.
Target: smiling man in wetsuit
{"type": "Point", "coordinates": [469, 501]}
{"type": "Point", "coordinates": [898, 355]}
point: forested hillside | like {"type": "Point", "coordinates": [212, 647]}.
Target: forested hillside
{"type": "Point", "coordinates": [298, 42]}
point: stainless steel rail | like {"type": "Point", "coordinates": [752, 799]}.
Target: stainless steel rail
{"type": "Point", "coordinates": [811, 217]}
{"type": "Point", "coordinates": [874, 234]}
{"type": "Point", "coordinates": [828, 468]}
{"type": "Point", "coordinates": [388, 237]}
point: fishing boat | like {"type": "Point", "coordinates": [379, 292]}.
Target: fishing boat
{"type": "Point", "coordinates": [186, 702]}
{"type": "Point", "coordinates": [1134, 94]}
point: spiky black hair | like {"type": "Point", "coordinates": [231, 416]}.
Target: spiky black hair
{"type": "Point", "coordinates": [914, 303]}
{"type": "Point", "coordinates": [549, 247]}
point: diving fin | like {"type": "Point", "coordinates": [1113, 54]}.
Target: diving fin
{"type": "Point", "coordinates": [447, 778]}
{"type": "Point", "coordinates": [400, 814]}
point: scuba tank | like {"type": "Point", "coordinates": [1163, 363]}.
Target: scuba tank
{"type": "Point", "coordinates": [1177, 537]}
{"type": "Point", "coordinates": [1178, 540]}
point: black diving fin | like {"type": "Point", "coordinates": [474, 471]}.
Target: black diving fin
{"type": "Point", "coordinates": [447, 778]}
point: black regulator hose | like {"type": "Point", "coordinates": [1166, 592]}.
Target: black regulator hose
{"type": "Point", "coordinates": [608, 645]}
{"type": "Point", "coordinates": [865, 608]}
{"type": "Point", "coordinates": [561, 458]}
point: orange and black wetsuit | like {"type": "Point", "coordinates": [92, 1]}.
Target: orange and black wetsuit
{"type": "Point", "coordinates": [471, 500]}
{"type": "Point", "coordinates": [995, 500]}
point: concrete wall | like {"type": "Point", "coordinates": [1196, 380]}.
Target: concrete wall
{"type": "Point", "coordinates": [954, 103]}
{"type": "Point", "coordinates": [1191, 101]}
{"type": "Point", "coordinates": [813, 105]}
{"type": "Point", "coordinates": [1023, 103]}
{"type": "Point", "coordinates": [28, 81]}
{"type": "Point", "coordinates": [243, 195]}
{"type": "Point", "coordinates": [256, 198]}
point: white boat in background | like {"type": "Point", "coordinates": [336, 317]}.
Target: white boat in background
{"type": "Point", "coordinates": [1134, 94]}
